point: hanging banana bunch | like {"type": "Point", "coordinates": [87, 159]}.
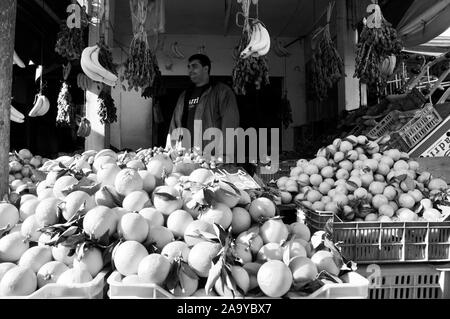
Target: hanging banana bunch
{"type": "Point", "coordinates": [41, 106]}
{"type": "Point", "coordinates": [64, 117]}
{"type": "Point", "coordinates": [16, 116]}
{"type": "Point", "coordinates": [85, 128]}
{"type": "Point", "coordinates": [251, 67]}
{"type": "Point", "coordinates": [96, 62]}
{"type": "Point", "coordinates": [83, 81]}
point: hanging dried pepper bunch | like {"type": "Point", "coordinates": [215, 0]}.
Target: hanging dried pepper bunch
{"type": "Point", "coordinates": [249, 71]}
{"type": "Point", "coordinates": [64, 116]}
{"type": "Point", "coordinates": [105, 57]}
{"type": "Point", "coordinates": [374, 46]}
{"type": "Point", "coordinates": [141, 67]}
{"type": "Point", "coordinates": [107, 109]}
{"type": "Point", "coordinates": [285, 113]}
{"type": "Point", "coordinates": [327, 66]}
{"type": "Point", "coordinates": [70, 42]}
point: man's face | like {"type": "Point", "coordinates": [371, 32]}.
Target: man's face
{"type": "Point", "coordinates": [197, 72]}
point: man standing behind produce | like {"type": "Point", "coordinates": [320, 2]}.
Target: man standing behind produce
{"type": "Point", "coordinates": [214, 104]}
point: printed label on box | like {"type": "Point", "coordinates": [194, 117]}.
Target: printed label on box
{"type": "Point", "coordinates": [439, 148]}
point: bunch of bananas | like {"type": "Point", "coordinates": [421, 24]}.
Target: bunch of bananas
{"type": "Point", "coordinates": [83, 82]}
{"type": "Point", "coordinates": [17, 60]}
{"type": "Point", "coordinates": [94, 69]}
{"type": "Point", "coordinates": [176, 51]}
{"type": "Point", "coordinates": [259, 44]}
{"type": "Point", "coordinates": [388, 66]}
{"type": "Point", "coordinates": [85, 128]}
{"type": "Point", "coordinates": [16, 116]}
{"type": "Point", "coordinates": [40, 107]}
{"type": "Point", "coordinates": [249, 72]}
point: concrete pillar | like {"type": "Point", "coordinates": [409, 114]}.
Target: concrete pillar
{"type": "Point", "coordinates": [100, 133]}
{"type": "Point", "coordinates": [7, 32]}
{"type": "Point", "coordinates": [348, 88]}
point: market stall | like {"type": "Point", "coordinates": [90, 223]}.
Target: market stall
{"type": "Point", "coordinates": [119, 216]}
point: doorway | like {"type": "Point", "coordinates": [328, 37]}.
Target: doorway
{"type": "Point", "coordinates": [257, 109]}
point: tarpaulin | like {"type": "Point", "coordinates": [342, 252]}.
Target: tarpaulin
{"type": "Point", "coordinates": [423, 21]}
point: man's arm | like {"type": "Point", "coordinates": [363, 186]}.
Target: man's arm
{"type": "Point", "coordinates": [230, 118]}
{"type": "Point", "coordinates": [174, 121]}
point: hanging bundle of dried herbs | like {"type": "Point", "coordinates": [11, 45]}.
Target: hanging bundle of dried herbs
{"type": "Point", "coordinates": [285, 113]}
{"type": "Point", "coordinates": [107, 109]}
{"type": "Point", "coordinates": [105, 57]}
{"type": "Point", "coordinates": [374, 46]}
{"type": "Point", "coordinates": [141, 67]}
{"type": "Point", "coordinates": [70, 41]}
{"type": "Point", "coordinates": [327, 67]}
{"type": "Point", "coordinates": [66, 109]}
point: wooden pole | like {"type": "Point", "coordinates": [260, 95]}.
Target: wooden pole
{"type": "Point", "coordinates": [7, 32]}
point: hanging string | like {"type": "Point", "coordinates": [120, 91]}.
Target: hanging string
{"type": "Point", "coordinates": [41, 83]}
{"type": "Point", "coordinates": [285, 77]}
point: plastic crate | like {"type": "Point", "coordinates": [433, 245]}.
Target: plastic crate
{"type": "Point", "coordinates": [384, 125]}
{"type": "Point", "coordinates": [284, 169]}
{"type": "Point", "coordinates": [90, 290]}
{"type": "Point", "coordinates": [416, 129]}
{"type": "Point", "coordinates": [393, 242]}
{"type": "Point", "coordinates": [385, 242]}
{"type": "Point", "coordinates": [316, 220]}
{"type": "Point", "coordinates": [355, 286]}
{"type": "Point", "coordinates": [407, 281]}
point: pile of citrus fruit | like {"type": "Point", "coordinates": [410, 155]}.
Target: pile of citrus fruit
{"type": "Point", "coordinates": [354, 179]}
{"type": "Point", "coordinates": [154, 221]}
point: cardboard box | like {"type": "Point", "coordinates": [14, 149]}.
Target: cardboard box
{"type": "Point", "coordinates": [436, 144]}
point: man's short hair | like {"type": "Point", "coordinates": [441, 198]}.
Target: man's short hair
{"type": "Point", "coordinates": [203, 59]}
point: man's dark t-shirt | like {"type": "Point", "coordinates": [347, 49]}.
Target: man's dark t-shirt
{"type": "Point", "coordinates": [191, 101]}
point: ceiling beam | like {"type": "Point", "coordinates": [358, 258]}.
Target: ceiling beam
{"type": "Point", "coordinates": [48, 10]}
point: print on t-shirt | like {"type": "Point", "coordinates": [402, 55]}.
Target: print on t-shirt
{"type": "Point", "coordinates": [193, 102]}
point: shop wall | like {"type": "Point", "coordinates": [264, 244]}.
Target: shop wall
{"type": "Point", "coordinates": [134, 126]}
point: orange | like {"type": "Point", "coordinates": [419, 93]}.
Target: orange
{"type": "Point", "coordinates": [274, 278]}
{"type": "Point", "coordinates": [342, 174]}
{"type": "Point", "coordinates": [315, 179]}
{"type": "Point", "coordinates": [273, 231]}
{"type": "Point", "coordinates": [376, 188]}
{"type": "Point", "coordinates": [303, 270]}
{"type": "Point", "coordinates": [379, 200]}
{"type": "Point", "coordinates": [154, 269]}
{"type": "Point", "coordinates": [178, 221]}
{"type": "Point", "coordinates": [127, 256]}
{"type": "Point", "coordinates": [9, 215]}
{"type": "Point", "coordinates": [327, 172]}
{"type": "Point", "coordinates": [201, 255]}
{"type": "Point", "coordinates": [406, 201]}
{"type": "Point", "coordinates": [262, 207]}
{"type": "Point", "coordinates": [386, 210]}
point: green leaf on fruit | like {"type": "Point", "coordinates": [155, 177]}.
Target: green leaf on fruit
{"type": "Point", "coordinates": [166, 196]}
{"type": "Point", "coordinates": [214, 274]}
